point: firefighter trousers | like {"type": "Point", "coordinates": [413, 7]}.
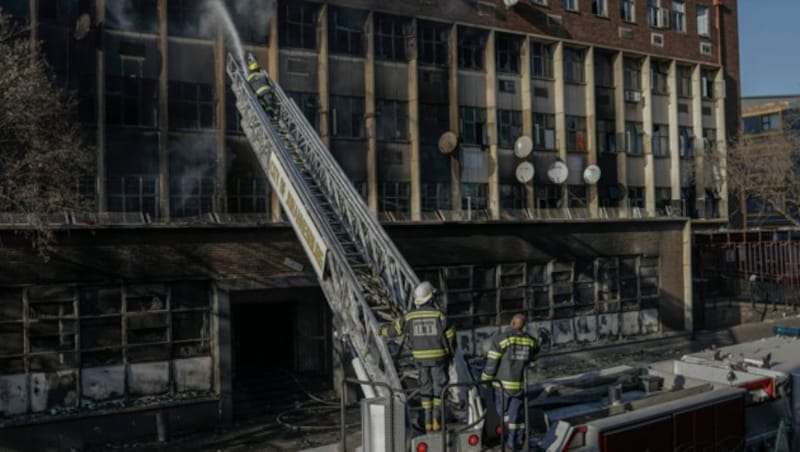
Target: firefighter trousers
{"type": "Point", "coordinates": [512, 407]}
{"type": "Point", "coordinates": [432, 380]}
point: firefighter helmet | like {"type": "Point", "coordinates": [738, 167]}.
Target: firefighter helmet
{"type": "Point", "coordinates": [423, 293]}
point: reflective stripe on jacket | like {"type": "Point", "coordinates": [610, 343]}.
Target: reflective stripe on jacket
{"type": "Point", "coordinates": [258, 82]}
{"type": "Point", "coordinates": [430, 338]}
{"type": "Point", "coordinates": [508, 357]}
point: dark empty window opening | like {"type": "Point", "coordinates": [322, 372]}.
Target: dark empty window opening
{"type": "Point", "coordinates": [507, 53]}
{"type": "Point", "coordinates": [541, 60]}
{"type": "Point", "coordinates": [390, 37]}
{"type": "Point", "coordinates": [392, 120]}
{"type": "Point", "coordinates": [509, 127]}
{"type": "Point", "coordinates": [298, 27]}
{"type": "Point", "coordinates": [191, 105]}
{"type": "Point", "coordinates": [308, 103]}
{"type": "Point", "coordinates": [346, 31]}
{"type": "Point", "coordinates": [347, 116]}
{"type": "Point", "coordinates": [182, 19]}
{"type": "Point", "coordinates": [473, 125]}
{"type": "Point", "coordinates": [471, 47]}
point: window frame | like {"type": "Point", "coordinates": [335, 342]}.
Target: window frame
{"type": "Point", "coordinates": [382, 36]}
{"type": "Point", "coordinates": [399, 115]}
{"type": "Point", "coordinates": [576, 133]}
{"type": "Point", "coordinates": [345, 22]}
{"type": "Point", "coordinates": [507, 46]}
{"type": "Point", "coordinates": [305, 29]}
{"type": "Point", "coordinates": [511, 121]}
{"type": "Point", "coordinates": [570, 5]}
{"type": "Point", "coordinates": [574, 67]}
{"type": "Point", "coordinates": [679, 16]}
{"type": "Point", "coordinates": [541, 123]}
{"type": "Point", "coordinates": [354, 113]}
{"type": "Point", "coordinates": [543, 56]}
{"type": "Point", "coordinates": [429, 35]}
{"type": "Point", "coordinates": [600, 8]}
{"type": "Point", "coordinates": [472, 48]}
{"type": "Point", "coordinates": [703, 21]}
{"type": "Point", "coordinates": [474, 118]}
{"type": "Point", "coordinates": [627, 11]}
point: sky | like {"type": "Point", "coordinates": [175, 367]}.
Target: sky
{"type": "Point", "coordinates": [769, 34]}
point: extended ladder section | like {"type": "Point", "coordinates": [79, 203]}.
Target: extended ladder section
{"type": "Point", "coordinates": [364, 277]}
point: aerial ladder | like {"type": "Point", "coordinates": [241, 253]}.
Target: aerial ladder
{"type": "Point", "coordinates": [365, 279]}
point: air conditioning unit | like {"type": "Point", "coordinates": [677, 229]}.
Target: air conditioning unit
{"type": "Point", "coordinates": [657, 39]}
{"type": "Point", "coordinates": [632, 96]}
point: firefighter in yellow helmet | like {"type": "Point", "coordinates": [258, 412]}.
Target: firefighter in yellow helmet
{"type": "Point", "coordinates": [261, 86]}
{"type": "Point", "coordinates": [432, 344]}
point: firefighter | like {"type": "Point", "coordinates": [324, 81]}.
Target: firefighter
{"type": "Point", "coordinates": [432, 343]}
{"type": "Point", "coordinates": [508, 357]}
{"type": "Point", "coordinates": [261, 86]}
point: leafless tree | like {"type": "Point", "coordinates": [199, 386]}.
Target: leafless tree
{"type": "Point", "coordinates": [765, 170]}
{"type": "Point", "coordinates": [42, 153]}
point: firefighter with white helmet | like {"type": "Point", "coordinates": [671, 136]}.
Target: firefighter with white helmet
{"type": "Point", "coordinates": [432, 343]}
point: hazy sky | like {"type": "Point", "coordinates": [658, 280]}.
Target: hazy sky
{"type": "Point", "coordinates": [769, 39]}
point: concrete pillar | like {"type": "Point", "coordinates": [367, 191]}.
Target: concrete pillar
{"type": "Point", "coordinates": [413, 124]}
{"type": "Point", "coordinates": [223, 381]}
{"type": "Point", "coordinates": [273, 68]}
{"type": "Point", "coordinates": [560, 107]}
{"type": "Point", "coordinates": [527, 109]}
{"type": "Point", "coordinates": [686, 238]}
{"type": "Point", "coordinates": [101, 188]}
{"type": "Point", "coordinates": [674, 141]}
{"type": "Point", "coordinates": [697, 127]}
{"type": "Point", "coordinates": [163, 114]}
{"type": "Point", "coordinates": [220, 196]}
{"type": "Point", "coordinates": [455, 163]}
{"type": "Point", "coordinates": [322, 75]}
{"type": "Point", "coordinates": [619, 122]}
{"type": "Point", "coordinates": [493, 203]}
{"type": "Point", "coordinates": [369, 115]}
{"type": "Point", "coordinates": [722, 142]}
{"type": "Point", "coordinates": [591, 127]}
{"type": "Point", "coordinates": [647, 126]}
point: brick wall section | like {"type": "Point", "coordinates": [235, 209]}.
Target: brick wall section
{"type": "Point", "coordinates": [730, 61]}
{"type": "Point", "coordinates": [582, 26]}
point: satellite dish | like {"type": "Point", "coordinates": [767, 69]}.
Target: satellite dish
{"type": "Point", "coordinates": [448, 142]}
{"type": "Point", "coordinates": [557, 172]}
{"type": "Point", "coordinates": [523, 146]}
{"type": "Point", "coordinates": [524, 172]}
{"type": "Point", "coordinates": [510, 3]}
{"type": "Point", "coordinates": [591, 174]}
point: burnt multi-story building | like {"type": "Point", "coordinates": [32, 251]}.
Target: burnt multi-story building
{"type": "Point", "coordinates": [185, 289]}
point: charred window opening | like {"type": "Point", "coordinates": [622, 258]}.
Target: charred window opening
{"type": "Point", "coordinates": [471, 48]}
{"type": "Point", "coordinates": [392, 120]}
{"type": "Point", "coordinates": [132, 173]}
{"type": "Point", "coordinates": [191, 105]}
{"type": "Point", "coordinates": [132, 68]}
{"type": "Point", "coordinates": [390, 37]}
{"type": "Point", "coordinates": [432, 39]}
{"type": "Point", "coordinates": [548, 196]}
{"type": "Point", "coordinates": [52, 328]}
{"type": "Point", "coordinates": [233, 119]}
{"type": "Point", "coordinates": [192, 169]}
{"type": "Point", "coordinates": [507, 53]}
{"type": "Point", "coordinates": [395, 197]}
{"type": "Point", "coordinates": [132, 15]}
{"type": "Point", "coordinates": [577, 197]}
{"type": "Point", "coordinates": [101, 326]}
{"type": "Point", "coordinates": [12, 332]}
{"type": "Point", "coordinates": [512, 196]}
{"type": "Point", "coordinates": [346, 30]}
{"type": "Point", "coordinates": [308, 103]}
{"type": "Point", "coordinates": [474, 196]}
{"type": "Point", "coordinates": [298, 28]}
{"type": "Point", "coordinates": [347, 116]}
{"type": "Point", "coordinates": [473, 125]}
{"type": "Point", "coordinates": [184, 18]}
{"type": "Point", "coordinates": [248, 189]}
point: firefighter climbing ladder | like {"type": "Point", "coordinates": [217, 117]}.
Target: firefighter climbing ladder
{"type": "Point", "coordinates": [364, 277]}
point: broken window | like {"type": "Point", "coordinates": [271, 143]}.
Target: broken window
{"type": "Point", "coordinates": [458, 295]}
{"type": "Point", "coordinates": [649, 279]}
{"type": "Point", "coordinates": [52, 328]}
{"type": "Point", "coordinates": [391, 120]}
{"type": "Point", "coordinates": [147, 323]}
{"type": "Point", "coordinates": [390, 37]}
{"type": "Point", "coordinates": [192, 174]}
{"type": "Point", "coordinates": [512, 196]}
{"type": "Point", "coordinates": [191, 319]}
{"type": "Point", "coordinates": [346, 30]}
{"type": "Point", "coordinates": [629, 282]}
{"type": "Point", "coordinates": [347, 116]}
{"type": "Point", "coordinates": [308, 103]}
{"type": "Point", "coordinates": [577, 196]}
{"type": "Point", "coordinates": [507, 53]}
{"type": "Point", "coordinates": [248, 189]}
{"type": "Point", "coordinates": [183, 19]}
{"type": "Point", "coordinates": [191, 105]}
{"type": "Point", "coordinates": [511, 290]}
{"type": "Point", "coordinates": [233, 119]}
{"type": "Point", "coordinates": [474, 196]}
{"type": "Point", "coordinates": [12, 332]}
{"type": "Point", "coordinates": [584, 284]}
{"type": "Point", "coordinates": [101, 326]}
{"type": "Point", "coordinates": [436, 196]}
{"type": "Point", "coordinates": [561, 277]}
{"type": "Point", "coordinates": [471, 47]}
{"type": "Point", "coordinates": [432, 40]}
{"type": "Point", "coordinates": [133, 15]}
{"type": "Point", "coordinates": [548, 196]}
{"type": "Point", "coordinates": [132, 68]}
{"type": "Point", "coordinates": [636, 197]}
{"type": "Point", "coordinates": [298, 28]}
{"type": "Point", "coordinates": [132, 172]}
{"type": "Point", "coordinates": [252, 27]}
{"type": "Point", "coordinates": [395, 197]}
{"type": "Point", "coordinates": [607, 284]}
{"type": "Point", "coordinates": [538, 291]}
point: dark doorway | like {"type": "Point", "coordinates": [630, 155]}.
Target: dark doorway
{"type": "Point", "coordinates": [280, 349]}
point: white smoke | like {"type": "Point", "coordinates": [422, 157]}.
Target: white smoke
{"type": "Point", "coordinates": [253, 14]}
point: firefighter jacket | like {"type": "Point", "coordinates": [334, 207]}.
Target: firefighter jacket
{"type": "Point", "coordinates": [258, 82]}
{"type": "Point", "coordinates": [508, 357]}
{"type": "Point", "coordinates": [431, 340]}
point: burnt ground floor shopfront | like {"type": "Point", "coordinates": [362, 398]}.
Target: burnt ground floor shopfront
{"type": "Point", "coordinates": [127, 331]}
